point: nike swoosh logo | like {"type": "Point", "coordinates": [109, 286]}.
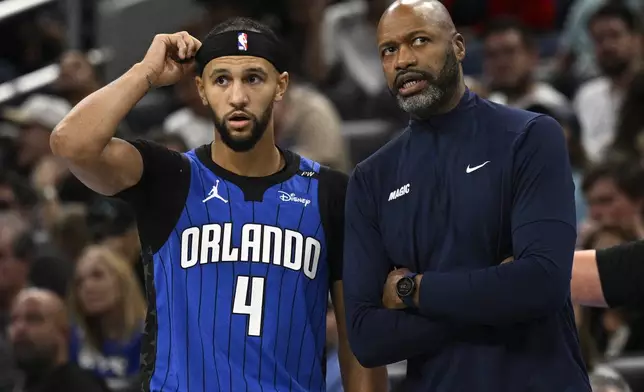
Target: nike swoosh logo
{"type": "Point", "coordinates": [475, 168]}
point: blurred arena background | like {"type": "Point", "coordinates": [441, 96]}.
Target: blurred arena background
{"type": "Point", "coordinates": [539, 55]}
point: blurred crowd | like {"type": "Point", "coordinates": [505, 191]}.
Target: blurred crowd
{"type": "Point", "coordinates": [70, 269]}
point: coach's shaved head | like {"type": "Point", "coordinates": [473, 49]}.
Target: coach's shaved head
{"type": "Point", "coordinates": [421, 53]}
{"type": "Point", "coordinates": [433, 11]}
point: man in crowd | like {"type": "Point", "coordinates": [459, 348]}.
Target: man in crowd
{"type": "Point", "coordinates": [615, 33]}
{"type": "Point", "coordinates": [511, 56]}
{"type": "Point", "coordinates": [39, 336]}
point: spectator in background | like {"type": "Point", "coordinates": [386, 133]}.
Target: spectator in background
{"type": "Point", "coordinates": [14, 273]}
{"type": "Point", "coordinates": [111, 222]}
{"type": "Point", "coordinates": [77, 78]}
{"type": "Point", "coordinates": [351, 62]}
{"type": "Point", "coordinates": [16, 194]}
{"type": "Point", "coordinates": [629, 135]}
{"type": "Point", "coordinates": [307, 123]}
{"type": "Point", "coordinates": [108, 310]}
{"type": "Point", "coordinates": [69, 233]}
{"type": "Point", "coordinates": [302, 30]}
{"type": "Point", "coordinates": [193, 121]}
{"type": "Point", "coordinates": [23, 262]}
{"type": "Point", "coordinates": [39, 335]}
{"type": "Point", "coordinates": [511, 56]}
{"type": "Point", "coordinates": [615, 193]}
{"type": "Point", "coordinates": [616, 37]}
{"type": "Point", "coordinates": [37, 117]}
{"type": "Point", "coordinates": [576, 59]}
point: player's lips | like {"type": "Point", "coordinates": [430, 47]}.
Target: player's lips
{"type": "Point", "coordinates": [238, 120]}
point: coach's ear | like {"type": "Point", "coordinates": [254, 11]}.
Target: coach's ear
{"type": "Point", "coordinates": [282, 85]}
{"type": "Point", "coordinates": [200, 89]}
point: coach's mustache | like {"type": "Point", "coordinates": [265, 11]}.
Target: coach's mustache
{"type": "Point", "coordinates": [411, 74]}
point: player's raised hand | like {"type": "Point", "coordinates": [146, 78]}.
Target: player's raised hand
{"type": "Point", "coordinates": [170, 57]}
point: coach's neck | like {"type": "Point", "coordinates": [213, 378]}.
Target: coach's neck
{"type": "Point", "coordinates": [262, 160]}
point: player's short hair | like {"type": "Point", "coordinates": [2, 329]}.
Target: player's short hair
{"type": "Point", "coordinates": [627, 175]}
{"type": "Point", "coordinates": [619, 11]}
{"type": "Point", "coordinates": [242, 24]}
{"type": "Point", "coordinates": [506, 24]}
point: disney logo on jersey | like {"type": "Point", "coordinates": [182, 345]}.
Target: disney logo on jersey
{"type": "Point", "coordinates": [294, 198]}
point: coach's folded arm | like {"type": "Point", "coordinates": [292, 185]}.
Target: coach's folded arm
{"type": "Point", "coordinates": [377, 336]}
{"type": "Point", "coordinates": [537, 283]}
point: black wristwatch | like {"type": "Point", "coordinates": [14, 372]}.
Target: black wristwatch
{"type": "Point", "coordinates": [406, 288]}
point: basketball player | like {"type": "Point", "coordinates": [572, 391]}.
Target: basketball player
{"type": "Point", "coordinates": [241, 239]}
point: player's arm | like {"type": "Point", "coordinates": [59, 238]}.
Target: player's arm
{"type": "Point", "coordinates": [355, 377]}
{"type": "Point", "coordinates": [378, 336]}
{"type": "Point", "coordinates": [85, 138]}
{"type": "Point", "coordinates": [537, 282]}
{"type": "Point", "coordinates": [609, 277]}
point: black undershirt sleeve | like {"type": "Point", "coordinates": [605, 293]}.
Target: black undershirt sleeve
{"type": "Point", "coordinates": [332, 192]}
{"type": "Point", "coordinates": [159, 197]}
{"type": "Point", "coordinates": [621, 272]}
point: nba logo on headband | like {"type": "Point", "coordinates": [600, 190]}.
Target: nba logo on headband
{"type": "Point", "coordinates": [242, 41]}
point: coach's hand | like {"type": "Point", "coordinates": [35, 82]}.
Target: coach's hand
{"type": "Point", "coordinates": [390, 298]}
{"type": "Point", "coordinates": [170, 57]}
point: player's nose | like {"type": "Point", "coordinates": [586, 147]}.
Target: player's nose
{"type": "Point", "coordinates": [238, 96]}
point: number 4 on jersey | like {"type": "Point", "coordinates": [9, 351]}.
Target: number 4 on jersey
{"type": "Point", "coordinates": [251, 305]}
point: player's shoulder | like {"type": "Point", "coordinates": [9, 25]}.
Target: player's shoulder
{"type": "Point", "coordinates": [328, 178]}
{"type": "Point", "coordinates": [158, 154]}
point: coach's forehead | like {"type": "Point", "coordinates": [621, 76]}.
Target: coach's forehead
{"type": "Point", "coordinates": [404, 16]}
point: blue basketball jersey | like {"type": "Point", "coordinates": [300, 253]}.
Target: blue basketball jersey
{"type": "Point", "coordinates": [238, 287]}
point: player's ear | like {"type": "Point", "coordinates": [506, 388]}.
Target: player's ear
{"type": "Point", "coordinates": [458, 42]}
{"type": "Point", "coordinates": [201, 90]}
{"type": "Point", "coordinates": [282, 85]}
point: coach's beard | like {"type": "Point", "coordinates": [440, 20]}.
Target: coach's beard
{"type": "Point", "coordinates": [244, 144]}
{"type": "Point", "coordinates": [426, 102]}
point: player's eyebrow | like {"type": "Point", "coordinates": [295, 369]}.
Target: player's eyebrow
{"type": "Point", "coordinates": [218, 71]}
{"type": "Point", "coordinates": [256, 70]}
{"type": "Point", "coordinates": [224, 71]}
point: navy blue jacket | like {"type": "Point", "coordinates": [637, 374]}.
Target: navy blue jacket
{"type": "Point", "coordinates": [450, 198]}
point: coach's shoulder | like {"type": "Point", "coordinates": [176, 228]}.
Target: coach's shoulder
{"type": "Point", "coordinates": [385, 158]}
{"type": "Point", "coordinates": [542, 136]}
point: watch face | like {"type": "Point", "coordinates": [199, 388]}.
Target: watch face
{"type": "Point", "coordinates": [405, 286]}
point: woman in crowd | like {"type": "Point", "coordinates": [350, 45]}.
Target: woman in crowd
{"type": "Point", "coordinates": [109, 312]}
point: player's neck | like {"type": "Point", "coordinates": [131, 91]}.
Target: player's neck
{"type": "Point", "coordinates": [261, 161]}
